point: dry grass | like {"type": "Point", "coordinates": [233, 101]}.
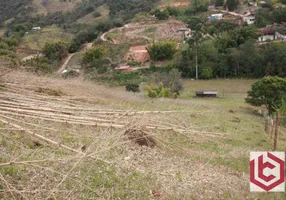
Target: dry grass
{"type": "Point", "coordinates": [78, 145]}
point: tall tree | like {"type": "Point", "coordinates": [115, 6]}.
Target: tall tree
{"type": "Point", "coordinates": [219, 2]}
{"type": "Point", "coordinates": [269, 91]}
{"type": "Point", "coordinates": [232, 4]}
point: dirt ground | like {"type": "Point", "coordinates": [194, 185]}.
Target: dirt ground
{"type": "Point", "coordinates": [176, 4]}
{"type": "Point", "coordinates": [148, 31]}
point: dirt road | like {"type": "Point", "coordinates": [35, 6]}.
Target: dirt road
{"type": "Point", "coordinates": [65, 64]}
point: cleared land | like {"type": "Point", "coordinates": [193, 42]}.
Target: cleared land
{"type": "Point", "coordinates": [72, 138]}
{"type": "Point", "coordinates": [37, 40]}
{"type": "Point", "coordinates": [145, 31]}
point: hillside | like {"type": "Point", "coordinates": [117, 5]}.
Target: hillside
{"type": "Point", "coordinates": [139, 99]}
{"type": "Point", "coordinates": [95, 157]}
{"type": "Point", "coordinates": [51, 6]}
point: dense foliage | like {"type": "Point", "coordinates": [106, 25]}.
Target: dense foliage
{"type": "Point", "coordinates": [231, 4]}
{"type": "Point", "coordinates": [55, 51]}
{"type": "Point", "coordinates": [93, 61]}
{"type": "Point", "coordinates": [219, 3]}
{"type": "Point", "coordinates": [11, 8]}
{"type": "Point", "coordinates": [126, 9]}
{"type": "Point", "coordinates": [161, 15]}
{"type": "Point", "coordinates": [162, 50]}
{"type": "Point", "coordinates": [157, 91]}
{"type": "Point", "coordinates": [40, 65]}
{"type": "Point", "coordinates": [269, 92]}
{"type": "Point", "coordinates": [8, 47]}
{"type": "Point", "coordinates": [90, 56]}
{"type": "Point", "coordinates": [169, 79]}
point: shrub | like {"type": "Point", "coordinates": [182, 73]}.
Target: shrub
{"type": "Point", "coordinates": [162, 50]}
{"type": "Point", "coordinates": [171, 79]}
{"type": "Point", "coordinates": [55, 51]}
{"type": "Point", "coordinates": [118, 22]}
{"type": "Point", "coordinates": [161, 15]}
{"type": "Point", "coordinates": [132, 88]}
{"type": "Point", "coordinates": [96, 14]}
{"type": "Point", "coordinates": [92, 55]}
{"type": "Point", "coordinates": [11, 41]}
{"type": "Point", "coordinates": [157, 91]}
{"type": "Point", "coordinates": [40, 65]}
{"type": "Point", "coordinates": [207, 73]}
{"type": "Point", "coordinates": [174, 11]}
{"type": "Point", "coordinates": [4, 45]}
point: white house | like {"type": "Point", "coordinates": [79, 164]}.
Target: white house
{"type": "Point", "coordinates": [36, 28]}
{"type": "Point", "coordinates": [276, 36]}
{"type": "Point", "coordinates": [216, 16]}
{"type": "Point", "coordinates": [249, 18]}
{"type": "Point", "coordinates": [265, 38]}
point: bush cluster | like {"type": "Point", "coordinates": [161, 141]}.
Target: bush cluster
{"type": "Point", "coordinates": [132, 88]}
{"type": "Point", "coordinates": [157, 91]}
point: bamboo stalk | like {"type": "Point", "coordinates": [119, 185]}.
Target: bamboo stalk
{"type": "Point", "coordinates": [61, 116]}
{"type": "Point", "coordinates": [48, 140]}
{"type": "Point", "coordinates": [112, 125]}
{"type": "Point", "coordinates": [35, 161]}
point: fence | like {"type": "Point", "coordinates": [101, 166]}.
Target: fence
{"type": "Point", "coordinates": [272, 127]}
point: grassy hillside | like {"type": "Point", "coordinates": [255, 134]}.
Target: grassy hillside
{"type": "Point", "coordinates": [37, 40]}
{"type": "Point", "coordinates": [91, 20]}
{"type": "Point", "coordinates": [78, 139]}
{"type": "Point", "coordinates": [50, 6]}
{"type": "Point", "coordinates": [94, 161]}
{"type": "Point", "coordinates": [11, 8]}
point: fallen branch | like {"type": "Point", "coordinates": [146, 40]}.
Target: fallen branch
{"type": "Point", "coordinates": [49, 140]}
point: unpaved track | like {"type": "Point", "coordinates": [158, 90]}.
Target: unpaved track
{"type": "Point", "coordinates": [65, 64]}
{"type": "Point", "coordinates": [70, 56]}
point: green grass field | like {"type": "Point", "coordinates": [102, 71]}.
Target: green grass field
{"type": "Point", "coordinates": [37, 40]}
